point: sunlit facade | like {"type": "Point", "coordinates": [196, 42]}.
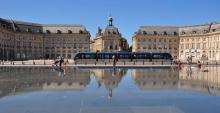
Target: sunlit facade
{"type": "Point", "coordinates": [198, 42]}
{"type": "Point", "coordinates": [201, 42]}
{"type": "Point", "coordinates": [25, 40]}
{"type": "Point", "coordinates": [109, 39]}
{"type": "Point", "coordinates": [156, 39]}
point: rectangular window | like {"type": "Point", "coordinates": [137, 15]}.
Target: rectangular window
{"type": "Point", "coordinates": [187, 46]}
{"type": "Point", "coordinates": [192, 45]}
{"type": "Point", "coordinates": [204, 46]}
{"type": "Point", "coordinates": [182, 40]}
{"type": "Point", "coordinates": [198, 46]}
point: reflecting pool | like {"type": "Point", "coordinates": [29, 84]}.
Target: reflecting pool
{"type": "Point", "coordinates": [109, 90]}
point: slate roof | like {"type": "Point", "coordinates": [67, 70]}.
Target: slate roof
{"type": "Point", "coordinates": [21, 26]}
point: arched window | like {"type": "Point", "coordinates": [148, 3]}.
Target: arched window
{"type": "Point", "coordinates": [144, 32]}
{"type": "Point", "coordinates": [175, 33]}
{"type": "Point", "coordinates": [116, 47]}
{"type": "Point", "coordinates": [17, 29]}
{"type": "Point", "coordinates": [213, 30]}
{"type": "Point", "coordinates": [3, 25]}
{"type": "Point", "coordinates": [114, 32]}
{"type": "Point", "coordinates": [110, 47]}
{"type": "Point", "coordinates": [48, 31]}
{"type": "Point", "coordinates": [29, 30]}
{"type": "Point", "coordinates": [183, 32]}
{"type": "Point", "coordinates": [59, 32]}
{"type": "Point", "coordinates": [39, 31]}
{"type": "Point", "coordinates": [80, 31]}
{"type": "Point", "coordinates": [194, 32]}
{"type": "Point", "coordinates": [70, 32]}
{"type": "Point", "coordinates": [164, 33]}
{"type": "Point", "coordinates": [155, 32]}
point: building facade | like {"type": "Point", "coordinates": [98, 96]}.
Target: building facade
{"type": "Point", "coordinates": [65, 40]}
{"type": "Point", "coordinates": [24, 40]}
{"type": "Point", "coordinates": [200, 42]}
{"type": "Point", "coordinates": [109, 39]}
{"type": "Point", "coordinates": [156, 39]}
{"type": "Point", "coordinates": [197, 42]}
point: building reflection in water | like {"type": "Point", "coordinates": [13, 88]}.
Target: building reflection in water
{"type": "Point", "coordinates": [15, 80]}
{"type": "Point", "coordinates": [188, 78]}
{"type": "Point", "coordinates": [109, 78]}
{"type": "Point", "coordinates": [199, 80]}
{"type": "Point", "coordinates": [155, 78]}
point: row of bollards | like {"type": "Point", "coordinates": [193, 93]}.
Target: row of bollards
{"type": "Point", "coordinates": [22, 62]}
{"type": "Point", "coordinates": [124, 63]}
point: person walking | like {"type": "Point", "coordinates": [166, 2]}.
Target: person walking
{"type": "Point", "coordinates": [114, 60]}
{"type": "Point", "coordinates": [199, 64]}
{"type": "Point", "coordinates": [61, 61]}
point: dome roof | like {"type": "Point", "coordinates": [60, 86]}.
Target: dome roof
{"type": "Point", "coordinates": [109, 30]}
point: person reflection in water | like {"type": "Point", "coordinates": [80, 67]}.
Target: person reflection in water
{"type": "Point", "coordinates": [110, 94]}
{"type": "Point", "coordinates": [189, 70]}
{"type": "Point", "coordinates": [61, 73]}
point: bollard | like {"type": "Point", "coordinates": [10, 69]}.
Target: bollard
{"type": "Point", "coordinates": [22, 63]}
{"type": "Point", "coordinates": [105, 63]}
{"type": "Point", "coordinates": [124, 62]}
{"type": "Point", "coordinates": [33, 63]}
{"type": "Point", "coordinates": [216, 63]}
{"type": "Point", "coordinates": [162, 62]}
{"type": "Point", "coordinates": [143, 62]}
{"type": "Point", "coordinates": [44, 62]}
{"type": "Point", "coordinates": [95, 63]}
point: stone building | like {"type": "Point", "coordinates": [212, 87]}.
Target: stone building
{"type": "Point", "coordinates": [200, 42]}
{"type": "Point", "coordinates": [65, 40]}
{"type": "Point", "coordinates": [24, 40]}
{"type": "Point", "coordinates": [109, 39]}
{"type": "Point", "coordinates": [197, 42]}
{"type": "Point", "coordinates": [156, 39]}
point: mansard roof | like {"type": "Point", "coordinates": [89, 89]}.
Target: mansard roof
{"type": "Point", "coordinates": [21, 26]}
{"type": "Point", "coordinates": [176, 30]}
{"type": "Point", "coordinates": [64, 28]}
{"type": "Point", "coordinates": [157, 30]}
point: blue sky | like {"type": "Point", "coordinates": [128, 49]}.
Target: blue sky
{"type": "Point", "coordinates": [128, 15]}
